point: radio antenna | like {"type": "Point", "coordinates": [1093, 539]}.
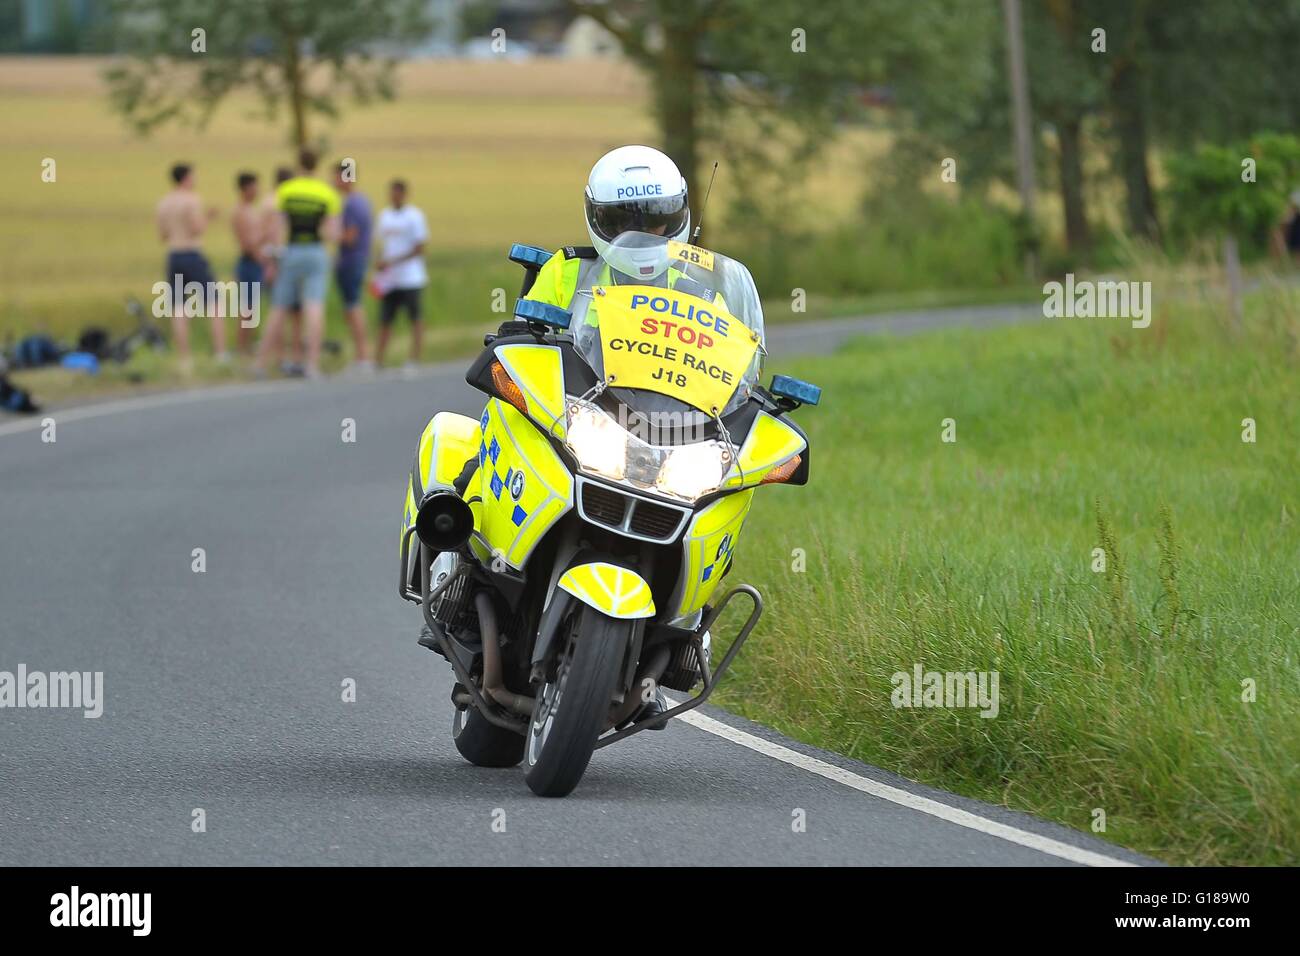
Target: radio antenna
{"type": "Point", "coordinates": [695, 236]}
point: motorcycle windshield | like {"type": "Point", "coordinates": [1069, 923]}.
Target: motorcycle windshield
{"type": "Point", "coordinates": [670, 327]}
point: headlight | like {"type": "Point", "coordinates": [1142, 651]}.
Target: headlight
{"type": "Point", "coordinates": [597, 441]}
{"type": "Point", "coordinates": [691, 471]}
{"type": "Point", "coordinates": [604, 447]}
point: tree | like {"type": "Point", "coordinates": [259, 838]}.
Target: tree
{"type": "Point", "coordinates": [1067, 93]}
{"type": "Point", "coordinates": [967, 115]}
{"type": "Point", "coordinates": [791, 68]}
{"type": "Point", "coordinates": [1187, 71]}
{"type": "Point", "coordinates": [664, 38]}
{"type": "Point", "coordinates": [1215, 69]}
{"type": "Point", "coordinates": [1236, 193]}
{"type": "Point", "coordinates": [1022, 122]}
{"type": "Point", "coordinates": [187, 56]}
{"type": "Point", "coordinates": [1173, 73]}
{"type": "Point", "coordinates": [1128, 94]}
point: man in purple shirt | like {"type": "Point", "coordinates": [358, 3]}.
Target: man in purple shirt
{"type": "Point", "coordinates": [354, 249]}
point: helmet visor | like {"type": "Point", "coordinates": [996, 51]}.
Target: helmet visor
{"type": "Point", "coordinates": [657, 215]}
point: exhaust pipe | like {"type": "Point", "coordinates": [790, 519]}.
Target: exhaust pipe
{"type": "Point", "coordinates": [443, 521]}
{"type": "Point", "coordinates": [493, 681]}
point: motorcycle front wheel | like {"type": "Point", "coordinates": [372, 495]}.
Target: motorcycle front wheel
{"type": "Point", "coordinates": [571, 709]}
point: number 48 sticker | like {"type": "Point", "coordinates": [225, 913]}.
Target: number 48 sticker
{"type": "Point", "coordinates": [692, 254]}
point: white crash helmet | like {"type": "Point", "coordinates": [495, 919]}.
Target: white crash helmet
{"type": "Point", "coordinates": [636, 189]}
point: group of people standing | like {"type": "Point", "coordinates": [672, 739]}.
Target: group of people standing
{"type": "Point", "coordinates": [283, 238]}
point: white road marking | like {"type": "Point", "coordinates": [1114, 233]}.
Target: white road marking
{"type": "Point", "coordinates": [912, 801]}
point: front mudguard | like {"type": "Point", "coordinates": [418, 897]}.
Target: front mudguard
{"type": "Point", "coordinates": [602, 582]}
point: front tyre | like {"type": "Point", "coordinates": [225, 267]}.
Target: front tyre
{"type": "Point", "coordinates": [571, 710]}
{"type": "Point", "coordinates": [483, 743]}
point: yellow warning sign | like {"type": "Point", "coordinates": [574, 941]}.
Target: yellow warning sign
{"type": "Point", "coordinates": [672, 343]}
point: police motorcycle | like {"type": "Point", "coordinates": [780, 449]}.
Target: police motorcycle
{"type": "Point", "coordinates": [568, 547]}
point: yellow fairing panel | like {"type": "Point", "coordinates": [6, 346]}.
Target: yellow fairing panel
{"type": "Point", "coordinates": [524, 486]}
{"type": "Point", "coordinates": [770, 443]}
{"type": "Point", "coordinates": [539, 373]}
{"type": "Point", "coordinates": [448, 441]}
{"type": "Point", "coordinates": [707, 545]}
{"type": "Point", "coordinates": [610, 589]}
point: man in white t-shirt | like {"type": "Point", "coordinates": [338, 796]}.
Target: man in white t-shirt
{"type": "Point", "coordinates": [400, 275]}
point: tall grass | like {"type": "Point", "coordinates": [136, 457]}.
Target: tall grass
{"type": "Point", "coordinates": [1125, 690]}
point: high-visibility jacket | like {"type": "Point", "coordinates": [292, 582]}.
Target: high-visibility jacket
{"type": "Point", "coordinates": [561, 275]}
{"type": "Point", "coordinates": [307, 202]}
{"type": "Point", "coordinates": [557, 280]}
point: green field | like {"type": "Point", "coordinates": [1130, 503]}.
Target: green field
{"type": "Point", "coordinates": [479, 144]}
{"type": "Point", "coordinates": [494, 152]}
{"type": "Point", "coordinates": [1119, 690]}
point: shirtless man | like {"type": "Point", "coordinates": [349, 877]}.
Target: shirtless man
{"type": "Point", "coordinates": [182, 221]}
{"type": "Point", "coordinates": [247, 221]}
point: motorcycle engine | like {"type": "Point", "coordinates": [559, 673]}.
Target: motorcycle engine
{"type": "Point", "coordinates": [453, 605]}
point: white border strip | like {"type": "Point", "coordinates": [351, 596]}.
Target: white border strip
{"type": "Point", "coordinates": [903, 798]}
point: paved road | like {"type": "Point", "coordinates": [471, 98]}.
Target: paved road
{"type": "Point", "coordinates": [223, 689]}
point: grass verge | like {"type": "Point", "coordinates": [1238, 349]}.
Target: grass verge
{"type": "Point", "coordinates": [1125, 691]}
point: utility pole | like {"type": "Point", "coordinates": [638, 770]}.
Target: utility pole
{"type": "Point", "coordinates": [1024, 144]}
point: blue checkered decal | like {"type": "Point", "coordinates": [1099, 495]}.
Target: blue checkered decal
{"type": "Point", "coordinates": [723, 557]}
{"type": "Point", "coordinates": [489, 450]}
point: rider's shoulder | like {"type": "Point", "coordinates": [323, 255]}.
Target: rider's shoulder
{"type": "Point", "coordinates": [578, 252]}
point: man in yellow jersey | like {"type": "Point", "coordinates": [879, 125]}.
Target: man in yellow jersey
{"type": "Point", "coordinates": [310, 210]}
